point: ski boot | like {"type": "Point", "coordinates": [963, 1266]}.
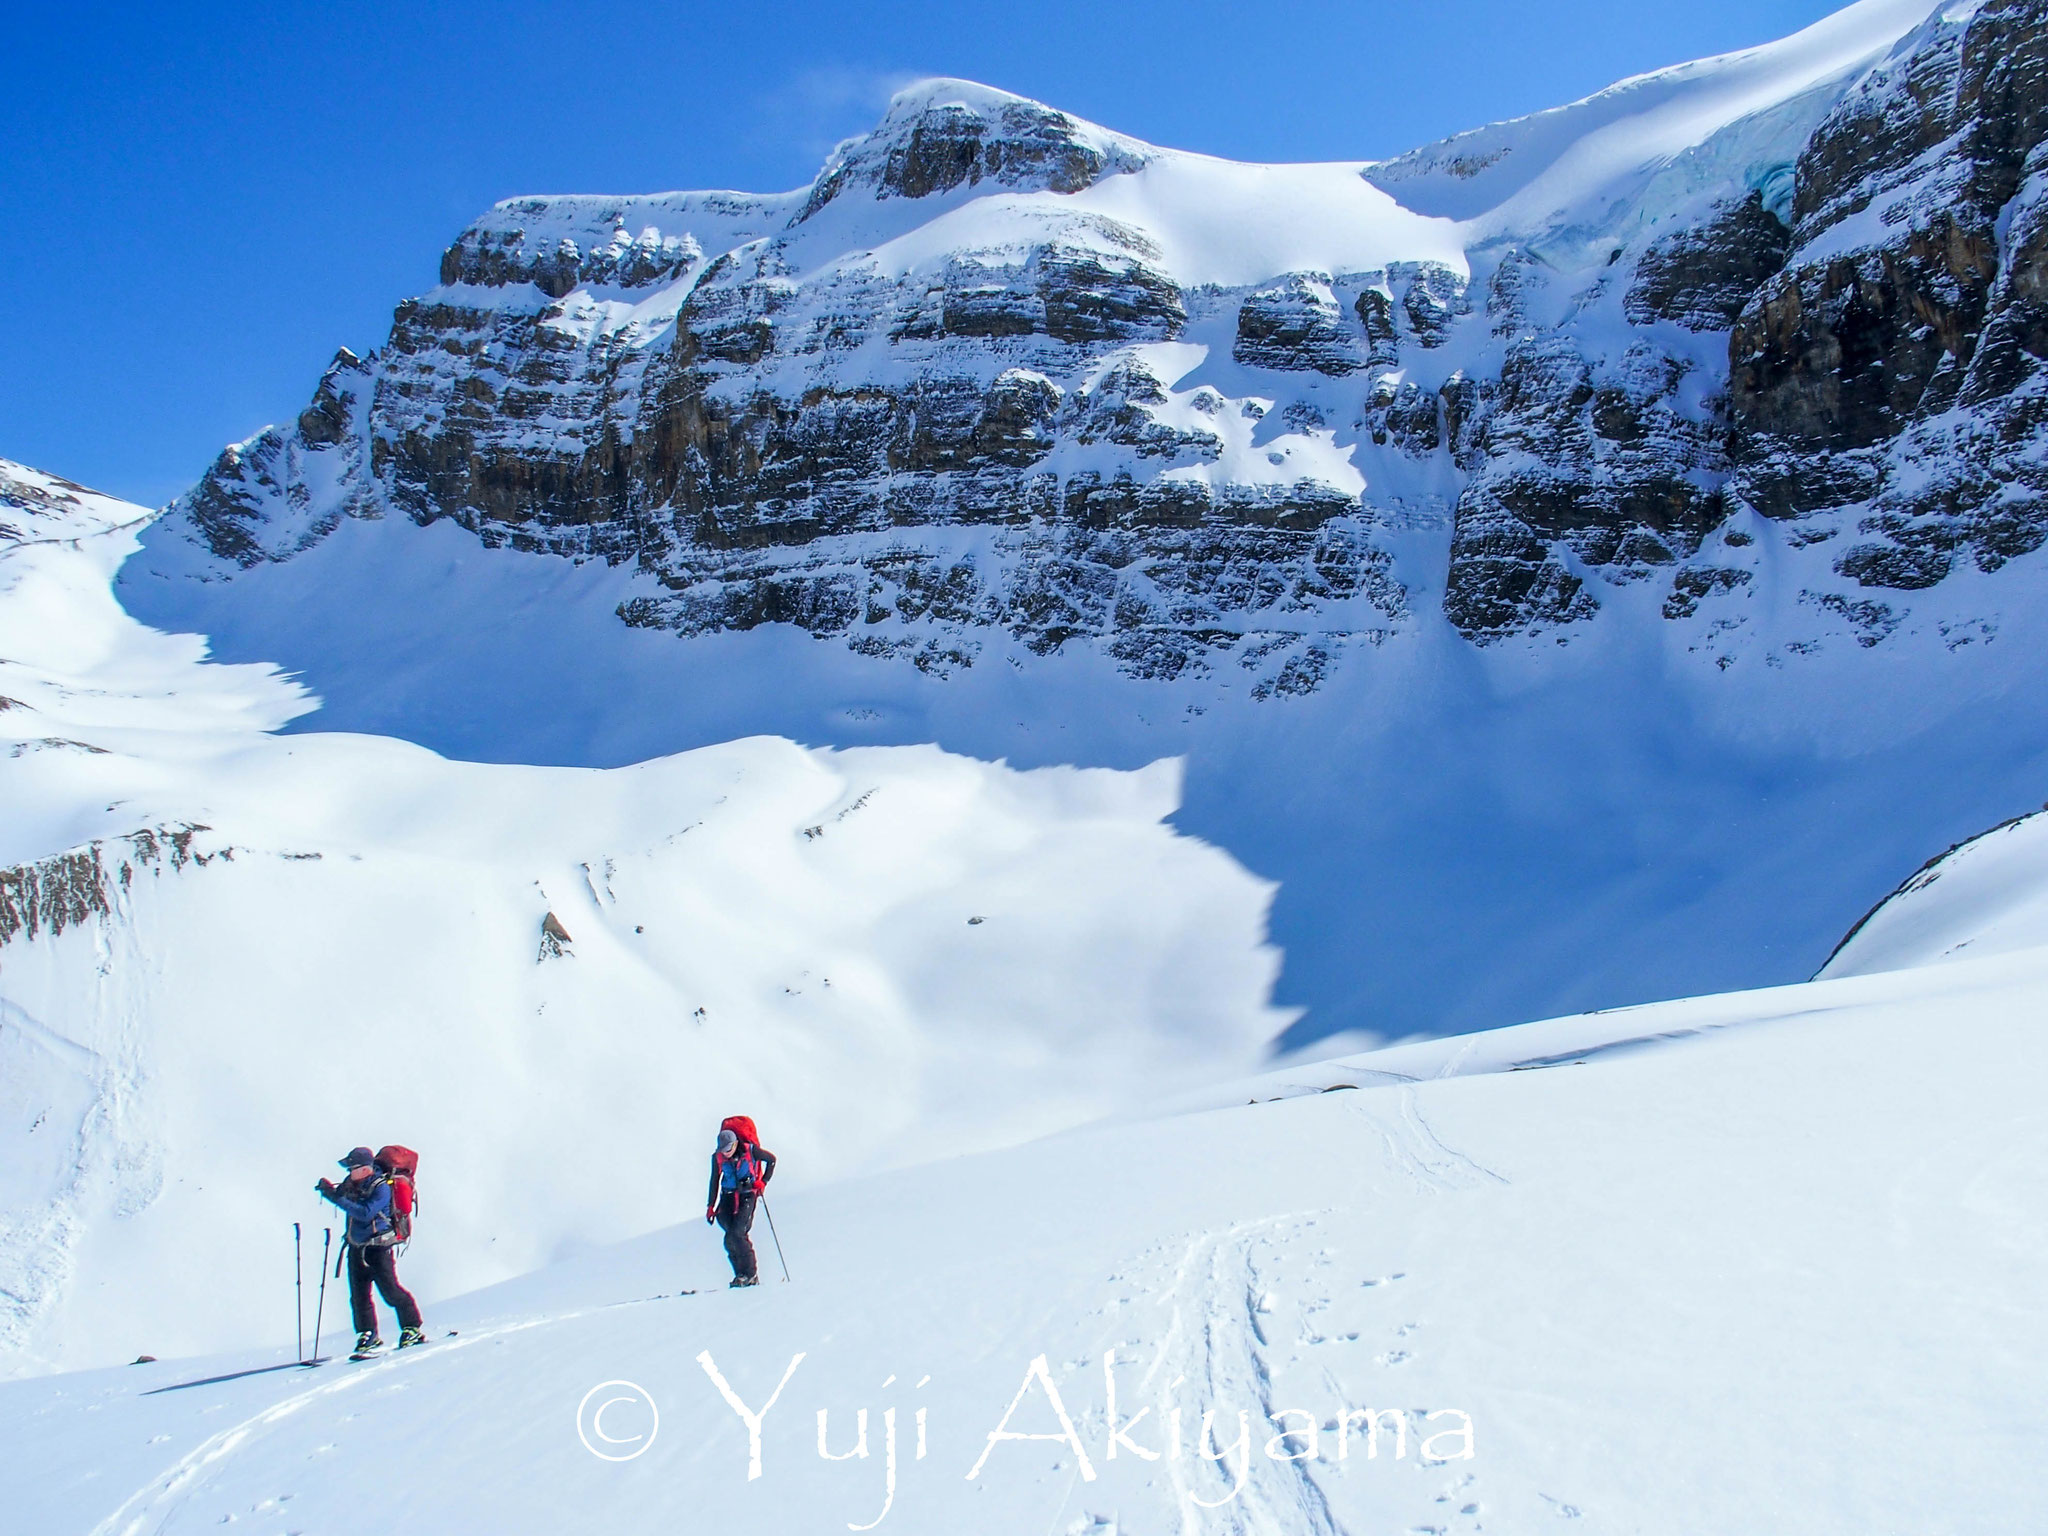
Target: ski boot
{"type": "Point", "coordinates": [367, 1344]}
{"type": "Point", "coordinates": [739, 1280]}
{"type": "Point", "coordinates": [409, 1337]}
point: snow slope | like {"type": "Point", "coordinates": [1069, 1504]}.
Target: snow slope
{"type": "Point", "coordinates": [1588, 165]}
{"type": "Point", "coordinates": [1699, 789]}
{"type": "Point", "coordinates": [1756, 1262]}
{"type": "Point", "coordinates": [1988, 896]}
{"type": "Point", "coordinates": [1577, 826]}
{"type": "Point", "coordinates": [227, 955]}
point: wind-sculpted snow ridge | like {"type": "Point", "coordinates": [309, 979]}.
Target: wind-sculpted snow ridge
{"type": "Point", "coordinates": [1677, 1268]}
{"type": "Point", "coordinates": [1984, 897]}
{"type": "Point", "coordinates": [228, 955]}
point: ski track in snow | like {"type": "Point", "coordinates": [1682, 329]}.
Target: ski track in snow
{"type": "Point", "coordinates": [1418, 1151]}
{"type": "Point", "coordinates": [1224, 1345]}
{"type": "Point", "coordinates": [154, 1506]}
{"type": "Point", "coordinates": [1213, 1352]}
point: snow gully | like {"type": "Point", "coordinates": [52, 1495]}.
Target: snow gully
{"type": "Point", "coordinates": [1439, 1435]}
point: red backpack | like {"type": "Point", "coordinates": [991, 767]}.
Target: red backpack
{"type": "Point", "coordinates": [741, 1126]}
{"type": "Point", "coordinates": [400, 1167]}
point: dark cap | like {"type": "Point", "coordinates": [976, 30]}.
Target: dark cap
{"type": "Point", "coordinates": [361, 1157]}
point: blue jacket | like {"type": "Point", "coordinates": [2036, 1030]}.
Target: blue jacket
{"type": "Point", "coordinates": [369, 1215]}
{"type": "Point", "coordinates": [733, 1178]}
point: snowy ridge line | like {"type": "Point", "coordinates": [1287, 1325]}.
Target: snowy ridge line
{"type": "Point", "coordinates": [1643, 123]}
{"type": "Point", "coordinates": [1987, 896]}
{"type": "Point", "coordinates": [1570, 1039]}
{"type": "Point", "coordinates": [1920, 879]}
{"type": "Point", "coordinates": [57, 511]}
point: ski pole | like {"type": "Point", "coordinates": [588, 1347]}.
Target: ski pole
{"type": "Point", "coordinates": [299, 1290]}
{"type": "Point", "coordinates": [326, 1237]}
{"type": "Point", "coordinates": [776, 1235]}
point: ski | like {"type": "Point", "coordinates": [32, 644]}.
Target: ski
{"type": "Point", "coordinates": [386, 1351]}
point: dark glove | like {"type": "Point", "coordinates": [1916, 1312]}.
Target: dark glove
{"type": "Point", "coordinates": [325, 1186]}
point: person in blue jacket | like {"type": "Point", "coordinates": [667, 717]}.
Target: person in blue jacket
{"type": "Point", "coordinates": [365, 1195]}
{"type": "Point", "coordinates": [739, 1171]}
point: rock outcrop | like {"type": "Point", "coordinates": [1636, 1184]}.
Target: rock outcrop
{"type": "Point", "coordinates": [1890, 373]}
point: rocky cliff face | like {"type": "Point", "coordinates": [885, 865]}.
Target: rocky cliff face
{"type": "Point", "coordinates": [1000, 373]}
{"type": "Point", "coordinates": [1885, 385]}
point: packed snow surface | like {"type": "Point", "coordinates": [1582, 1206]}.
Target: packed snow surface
{"type": "Point", "coordinates": [1766, 1261]}
{"type": "Point", "coordinates": [226, 956]}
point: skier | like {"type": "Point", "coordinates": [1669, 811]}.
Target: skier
{"type": "Point", "coordinates": [739, 1169]}
{"type": "Point", "coordinates": [366, 1196]}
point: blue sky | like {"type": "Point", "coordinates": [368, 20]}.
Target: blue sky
{"type": "Point", "coordinates": [204, 201]}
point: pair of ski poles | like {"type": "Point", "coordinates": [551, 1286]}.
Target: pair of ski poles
{"type": "Point", "coordinates": [326, 1242]}
{"type": "Point", "coordinates": [299, 1291]}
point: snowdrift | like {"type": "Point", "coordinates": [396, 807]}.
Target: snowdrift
{"type": "Point", "coordinates": [226, 956]}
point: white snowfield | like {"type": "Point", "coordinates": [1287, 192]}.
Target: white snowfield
{"type": "Point", "coordinates": [1763, 1262]}
{"type": "Point", "coordinates": [226, 956]}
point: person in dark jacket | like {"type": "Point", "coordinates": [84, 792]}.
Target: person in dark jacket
{"type": "Point", "coordinates": [365, 1195]}
{"type": "Point", "coordinates": [739, 1171]}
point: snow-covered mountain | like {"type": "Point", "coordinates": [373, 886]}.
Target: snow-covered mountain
{"type": "Point", "coordinates": [227, 955]}
{"type": "Point", "coordinates": [1768, 1261]}
{"type": "Point", "coordinates": [1621, 521]}
{"type": "Point", "coordinates": [998, 369]}
{"type": "Point", "coordinates": [1590, 560]}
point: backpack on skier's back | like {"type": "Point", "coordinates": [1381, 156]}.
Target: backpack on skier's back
{"type": "Point", "coordinates": [742, 1126]}
{"type": "Point", "coordinates": [400, 1167]}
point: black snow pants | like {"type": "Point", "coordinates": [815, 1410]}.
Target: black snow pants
{"type": "Point", "coordinates": [380, 1265]}
{"type": "Point", "coordinates": [736, 1220]}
